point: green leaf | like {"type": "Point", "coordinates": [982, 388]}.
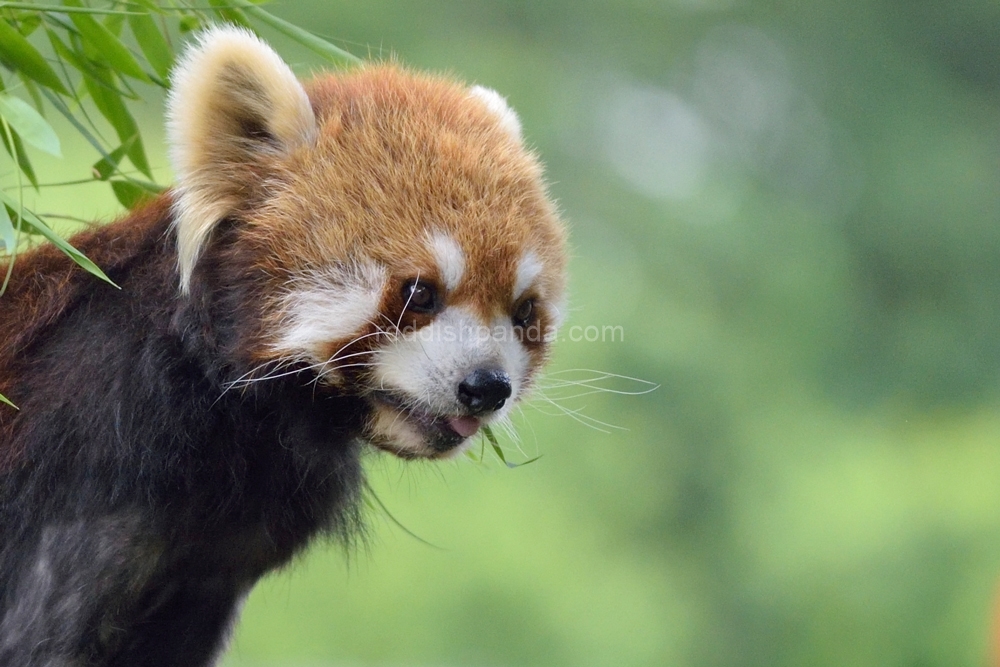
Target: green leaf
{"type": "Point", "coordinates": [132, 193]}
{"type": "Point", "coordinates": [152, 43]}
{"type": "Point", "coordinates": [230, 14]}
{"type": "Point", "coordinates": [150, 6]}
{"type": "Point", "coordinates": [61, 107]}
{"type": "Point", "coordinates": [19, 154]}
{"type": "Point", "coordinates": [101, 74]}
{"type": "Point", "coordinates": [60, 9]}
{"type": "Point", "coordinates": [111, 106]}
{"type": "Point", "coordinates": [4, 400]}
{"type": "Point", "coordinates": [66, 53]}
{"type": "Point", "coordinates": [303, 37]}
{"type": "Point", "coordinates": [12, 214]}
{"type": "Point", "coordinates": [114, 23]}
{"type": "Point", "coordinates": [109, 46]}
{"type": "Point", "coordinates": [492, 438]}
{"type": "Point", "coordinates": [16, 51]}
{"type": "Point", "coordinates": [7, 232]}
{"type": "Point", "coordinates": [524, 463]}
{"type": "Point", "coordinates": [32, 88]}
{"type": "Point", "coordinates": [29, 124]}
{"type": "Point", "coordinates": [189, 24]}
{"type": "Point", "coordinates": [108, 165]}
{"type": "Point", "coordinates": [22, 158]}
{"type": "Point", "coordinates": [36, 223]}
{"type": "Point", "coordinates": [28, 23]}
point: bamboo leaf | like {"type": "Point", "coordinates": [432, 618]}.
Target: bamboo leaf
{"type": "Point", "coordinates": [154, 46]}
{"type": "Point", "coordinates": [230, 14]}
{"type": "Point", "coordinates": [68, 115]}
{"type": "Point", "coordinates": [66, 53]}
{"type": "Point", "coordinates": [130, 193]}
{"type": "Point", "coordinates": [23, 57]}
{"type": "Point", "coordinates": [303, 37]}
{"type": "Point", "coordinates": [5, 401]}
{"type": "Point", "coordinates": [60, 9]}
{"type": "Point", "coordinates": [27, 23]}
{"type": "Point", "coordinates": [492, 438]}
{"type": "Point", "coordinates": [32, 88]}
{"type": "Point", "coordinates": [109, 46]}
{"type": "Point", "coordinates": [111, 106]}
{"type": "Point", "coordinates": [7, 232]}
{"type": "Point", "coordinates": [114, 23]}
{"type": "Point", "coordinates": [78, 60]}
{"type": "Point", "coordinates": [29, 124]}
{"type": "Point", "coordinates": [150, 6]}
{"type": "Point", "coordinates": [33, 221]}
{"type": "Point", "coordinates": [108, 165]}
{"type": "Point", "coordinates": [21, 156]}
{"type": "Point", "coordinates": [12, 214]}
{"type": "Point", "coordinates": [189, 23]}
{"type": "Point", "coordinates": [18, 153]}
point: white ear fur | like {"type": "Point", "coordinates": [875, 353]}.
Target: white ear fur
{"type": "Point", "coordinates": [497, 104]}
{"type": "Point", "coordinates": [234, 107]}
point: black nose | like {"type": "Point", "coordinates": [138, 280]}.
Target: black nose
{"type": "Point", "coordinates": [484, 390]}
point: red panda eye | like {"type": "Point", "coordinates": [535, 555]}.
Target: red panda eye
{"type": "Point", "coordinates": [420, 297]}
{"type": "Point", "coordinates": [525, 313]}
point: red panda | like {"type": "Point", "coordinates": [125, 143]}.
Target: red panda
{"type": "Point", "coordinates": [367, 260]}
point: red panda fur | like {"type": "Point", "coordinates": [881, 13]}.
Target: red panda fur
{"type": "Point", "coordinates": [181, 436]}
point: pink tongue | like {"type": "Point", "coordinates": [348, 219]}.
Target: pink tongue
{"type": "Point", "coordinates": [464, 426]}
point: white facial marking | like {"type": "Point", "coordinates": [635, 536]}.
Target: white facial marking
{"type": "Point", "coordinates": [496, 103]}
{"type": "Point", "coordinates": [450, 260]}
{"type": "Point", "coordinates": [558, 310]}
{"type": "Point", "coordinates": [393, 427]}
{"type": "Point", "coordinates": [528, 269]}
{"type": "Point", "coordinates": [330, 305]}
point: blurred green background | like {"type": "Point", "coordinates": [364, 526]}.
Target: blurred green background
{"type": "Point", "coordinates": [792, 210]}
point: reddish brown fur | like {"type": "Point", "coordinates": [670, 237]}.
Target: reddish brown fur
{"type": "Point", "coordinates": [394, 146]}
{"type": "Point", "coordinates": [45, 283]}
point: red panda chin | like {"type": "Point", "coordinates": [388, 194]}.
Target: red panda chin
{"type": "Point", "coordinates": [411, 430]}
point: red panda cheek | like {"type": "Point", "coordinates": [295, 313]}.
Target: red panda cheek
{"type": "Point", "coordinates": [327, 309]}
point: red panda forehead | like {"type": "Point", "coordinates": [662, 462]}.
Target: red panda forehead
{"type": "Point", "coordinates": [381, 93]}
{"type": "Point", "coordinates": [383, 116]}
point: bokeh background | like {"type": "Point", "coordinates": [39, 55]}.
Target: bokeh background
{"type": "Point", "coordinates": [788, 214]}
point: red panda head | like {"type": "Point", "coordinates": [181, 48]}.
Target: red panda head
{"type": "Point", "coordinates": [403, 242]}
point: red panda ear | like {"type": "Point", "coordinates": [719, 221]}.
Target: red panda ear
{"type": "Point", "coordinates": [234, 109]}
{"type": "Point", "coordinates": [498, 106]}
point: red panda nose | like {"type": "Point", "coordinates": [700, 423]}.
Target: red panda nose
{"type": "Point", "coordinates": [484, 390]}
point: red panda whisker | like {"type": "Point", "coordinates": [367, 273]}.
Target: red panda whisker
{"type": "Point", "coordinates": [353, 341]}
{"type": "Point", "coordinates": [246, 379]}
{"type": "Point", "coordinates": [599, 376]}
{"type": "Point", "coordinates": [247, 382]}
{"type": "Point", "coordinates": [577, 415]}
{"type": "Point", "coordinates": [315, 380]}
{"type": "Point", "coordinates": [406, 305]}
{"type": "Point", "coordinates": [589, 384]}
{"type": "Point", "coordinates": [395, 333]}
